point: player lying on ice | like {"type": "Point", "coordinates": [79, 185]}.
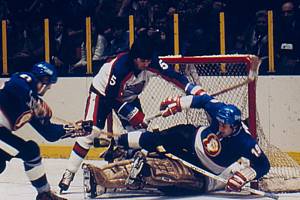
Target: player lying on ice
{"type": "Point", "coordinates": [225, 148]}
{"type": "Point", "coordinates": [21, 102]}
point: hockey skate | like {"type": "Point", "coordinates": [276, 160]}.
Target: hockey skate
{"type": "Point", "coordinates": [135, 180]}
{"type": "Point", "coordinates": [113, 152]}
{"type": "Point", "coordinates": [48, 196]}
{"type": "Point", "coordinates": [66, 180]}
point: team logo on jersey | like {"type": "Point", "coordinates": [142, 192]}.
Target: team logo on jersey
{"type": "Point", "coordinates": [212, 145]}
{"type": "Point", "coordinates": [133, 89]}
{"type": "Point", "coordinates": [23, 119]}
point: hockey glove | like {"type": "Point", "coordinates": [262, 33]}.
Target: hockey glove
{"type": "Point", "coordinates": [239, 179]}
{"type": "Point", "coordinates": [170, 106]}
{"type": "Point", "coordinates": [192, 89]}
{"type": "Point", "coordinates": [41, 109]}
{"type": "Point", "coordinates": [133, 115]}
{"type": "Point", "coordinates": [138, 120]}
{"type": "Point", "coordinates": [79, 129]}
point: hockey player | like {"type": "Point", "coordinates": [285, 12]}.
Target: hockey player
{"type": "Point", "coordinates": [21, 102]}
{"type": "Point", "coordinates": [117, 86]}
{"type": "Point", "coordinates": [225, 147]}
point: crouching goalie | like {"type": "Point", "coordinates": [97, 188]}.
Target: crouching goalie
{"type": "Point", "coordinates": [225, 148]}
{"type": "Point", "coordinates": [21, 103]}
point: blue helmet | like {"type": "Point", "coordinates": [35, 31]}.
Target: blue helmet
{"type": "Point", "coordinates": [44, 69]}
{"type": "Point", "coordinates": [229, 114]}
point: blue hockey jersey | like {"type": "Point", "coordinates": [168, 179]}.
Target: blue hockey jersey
{"type": "Point", "coordinates": [122, 82]}
{"type": "Point", "coordinates": [17, 98]}
{"type": "Point", "coordinates": [217, 153]}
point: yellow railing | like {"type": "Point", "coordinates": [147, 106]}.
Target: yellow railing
{"type": "Point", "coordinates": [222, 39]}
{"type": "Point", "coordinates": [47, 40]}
{"type": "Point", "coordinates": [131, 30]}
{"type": "Point", "coordinates": [131, 39]}
{"type": "Point", "coordinates": [4, 48]}
{"type": "Point", "coordinates": [271, 42]}
{"type": "Point", "coordinates": [88, 45]}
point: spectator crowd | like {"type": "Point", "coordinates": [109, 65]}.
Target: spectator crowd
{"type": "Point", "coordinates": [246, 30]}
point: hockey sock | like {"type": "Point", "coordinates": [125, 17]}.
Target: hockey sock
{"type": "Point", "coordinates": [35, 171]}
{"type": "Point", "coordinates": [77, 156]}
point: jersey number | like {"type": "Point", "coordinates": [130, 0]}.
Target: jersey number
{"type": "Point", "coordinates": [113, 80]}
{"type": "Point", "coordinates": [256, 150]}
{"type": "Point", "coordinates": [163, 65]}
{"type": "Point", "coordinates": [26, 77]}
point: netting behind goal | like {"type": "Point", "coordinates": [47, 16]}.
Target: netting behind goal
{"type": "Point", "coordinates": [214, 74]}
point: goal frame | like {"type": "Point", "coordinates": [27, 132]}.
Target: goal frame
{"type": "Point", "coordinates": [284, 174]}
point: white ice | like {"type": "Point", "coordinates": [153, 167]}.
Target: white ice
{"type": "Point", "coordinates": [15, 185]}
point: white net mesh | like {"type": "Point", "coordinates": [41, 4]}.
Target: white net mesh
{"type": "Point", "coordinates": [284, 175]}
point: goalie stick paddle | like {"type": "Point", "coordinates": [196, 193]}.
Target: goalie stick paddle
{"type": "Point", "coordinates": [213, 176]}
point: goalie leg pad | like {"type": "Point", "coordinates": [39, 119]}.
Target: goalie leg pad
{"type": "Point", "coordinates": [112, 175]}
{"type": "Point", "coordinates": [167, 172]}
{"type": "Point", "coordinates": [156, 173]}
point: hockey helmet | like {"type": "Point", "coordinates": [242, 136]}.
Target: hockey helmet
{"type": "Point", "coordinates": [44, 69]}
{"type": "Point", "coordinates": [229, 114]}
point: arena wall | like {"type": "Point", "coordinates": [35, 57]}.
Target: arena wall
{"type": "Point", "coordinates": [278, 104]}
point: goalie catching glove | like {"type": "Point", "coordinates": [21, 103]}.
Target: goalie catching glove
{"type": "Point", "coordinates": [79, 129]}
{"type": "Point", "coordinates": [239, 179]}
{"type": "Point", "coordinates": [170, 106]}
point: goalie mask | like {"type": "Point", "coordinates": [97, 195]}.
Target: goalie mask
{"type": "Point", "coordinates": [231, 115]}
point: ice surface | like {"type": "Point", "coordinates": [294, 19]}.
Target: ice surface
{"type": "Point", "coordinates": [15, 185]}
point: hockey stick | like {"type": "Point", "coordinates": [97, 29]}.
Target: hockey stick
{"type": "Point", "coordinates": [252, 76]}
{"type": "Point", "coordinates": [213, 176]}
{"type": "Point", "coordinates": [95, 128]}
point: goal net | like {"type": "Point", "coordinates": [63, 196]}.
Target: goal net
{"type": "Point", "coordinates": [229, 78]}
